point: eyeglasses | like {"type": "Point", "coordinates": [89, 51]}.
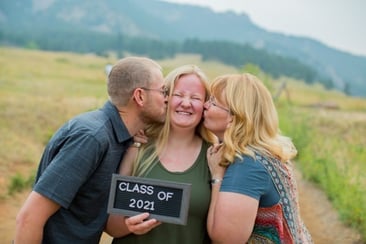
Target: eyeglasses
{"type": "Point", "coordinates": [164, 91]}
{"type": "Point", "coordinates": [212, 101]}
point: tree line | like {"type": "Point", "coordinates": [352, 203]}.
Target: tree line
{"type": "Point", "coordinates": [238, 55]}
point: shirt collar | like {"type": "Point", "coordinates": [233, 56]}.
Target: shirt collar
{"type": "Point", "coordinates": [118, 125]}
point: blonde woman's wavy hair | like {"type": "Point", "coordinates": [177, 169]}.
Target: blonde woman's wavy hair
{"type": "Point", "coordinates": [158, 133]}
{"type": "Point", "coordinates": [254, 126]}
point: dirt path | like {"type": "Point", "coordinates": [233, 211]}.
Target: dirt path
{"type": "Point", "coordinates": [320, 217]}
{"type": "Point", "coordinates": [317, 212]}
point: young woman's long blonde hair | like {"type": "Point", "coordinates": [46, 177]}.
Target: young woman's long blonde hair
{"type": "Point", "coordinates": [158, 133]}
{"type": "Point", "coordinates": [254, 126]}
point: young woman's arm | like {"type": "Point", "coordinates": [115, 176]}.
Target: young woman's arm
{"type": "Point", "coordinates": [119, 225]}
{"type": "Point", "coordinates": [116, 226]}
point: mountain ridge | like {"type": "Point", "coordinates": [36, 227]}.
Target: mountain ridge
{"type": "Point", "coordinates": [168, 21]}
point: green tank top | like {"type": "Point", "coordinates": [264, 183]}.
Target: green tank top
{"type": "Point", "coordinates": [194, 232]}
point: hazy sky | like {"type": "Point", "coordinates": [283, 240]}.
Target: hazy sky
{"type": "Point", "coordinates": [337, 23]}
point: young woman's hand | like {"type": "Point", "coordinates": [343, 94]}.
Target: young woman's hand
{"type": "Point", "coordinates": [140, 224]}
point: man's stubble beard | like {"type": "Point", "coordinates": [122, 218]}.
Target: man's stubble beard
{"type": "Point", "coordinates": [148, 115]}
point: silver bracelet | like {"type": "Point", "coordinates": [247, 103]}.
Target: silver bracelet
{"type": "Point", "coordinates": [215, 181]}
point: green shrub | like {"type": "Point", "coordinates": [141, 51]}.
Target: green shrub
{"type": "Point", "coordinates": [19, 183]}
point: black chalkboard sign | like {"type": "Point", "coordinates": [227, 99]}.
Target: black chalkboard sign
{"type": "Point", "coordinates": [166, 201]}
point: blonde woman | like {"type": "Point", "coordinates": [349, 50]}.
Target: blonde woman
{"type": "Point", "coordinates": [175, 151]}
{"type": "Point", "coordinates": [255, 199]}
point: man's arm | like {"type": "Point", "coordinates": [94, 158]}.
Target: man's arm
{"type": "Point", "coordinates": [32, 218]}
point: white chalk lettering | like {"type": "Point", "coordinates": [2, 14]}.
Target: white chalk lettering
{"type": "Point", "coordinates": [131, 187]}
{"type": "Point", "coordinates": [162, 195]}
{"type": "Point", "coordinates": [140, 204]}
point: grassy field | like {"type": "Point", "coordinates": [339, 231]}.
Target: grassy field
{"type": "Point", "coordinates": [41, 90]}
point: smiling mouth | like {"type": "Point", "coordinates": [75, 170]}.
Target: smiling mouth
{"type": "Point", "coordinates": [183, 113]}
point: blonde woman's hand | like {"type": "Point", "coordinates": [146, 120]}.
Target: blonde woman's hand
{"type": "Point", "coordinates": [214, 154]}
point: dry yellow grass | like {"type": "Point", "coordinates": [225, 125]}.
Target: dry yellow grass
{"type": "Point", "coordinates": [311, 95]}
{"type": "Point", "coordinates": [39, 91]}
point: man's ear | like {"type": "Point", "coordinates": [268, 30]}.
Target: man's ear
{"type": "Point", "coordinates": [138, 96]}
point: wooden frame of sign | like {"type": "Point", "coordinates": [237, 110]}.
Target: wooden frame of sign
{"type": "Point", "coordinates": [166, 201]}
